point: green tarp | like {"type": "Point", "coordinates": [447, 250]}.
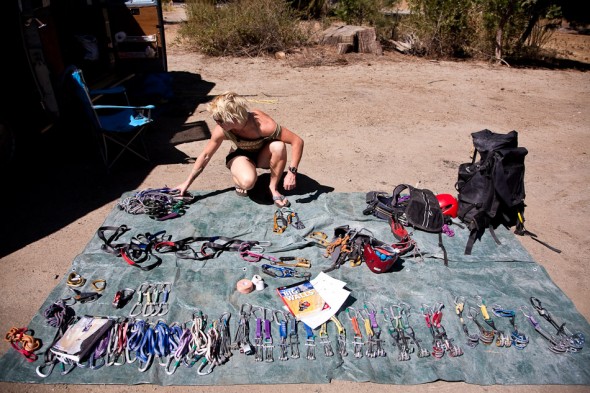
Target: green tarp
{"type": "Point", "coordinates": [505, 275]}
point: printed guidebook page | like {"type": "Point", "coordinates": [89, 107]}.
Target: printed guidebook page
{"type": "Point", "coordinates": [302, 299]}
{"type": "Point", "coordinates": [328, 294]}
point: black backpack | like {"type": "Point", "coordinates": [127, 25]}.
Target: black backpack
{"type": "Point", "coordinates": [420, 210]}
{"type": "Point", "coordinates": [491, 190]}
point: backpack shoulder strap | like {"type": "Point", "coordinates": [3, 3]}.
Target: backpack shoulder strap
{"type": "Point", "coordinates": [397, 191]}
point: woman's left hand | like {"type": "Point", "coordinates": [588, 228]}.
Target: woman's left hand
{"type": "Point", "coordinates": [290, 181]}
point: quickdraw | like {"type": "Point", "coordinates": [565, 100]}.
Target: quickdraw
{"type": "Point", "coordinates": [199, 340]}
{"type": "Point", "coordinates": [293, 338]}
{"type": "Point", "coordinates": [357, 341]}
{"type": "Point", "coordinates": [309, 342]}
{"type": "Point", "coordinates": [565, 339]}
{"type": "Point", "coordinates": [281, 320]}
{"type": "Point", "coordinates": [153, 306]}
{"type": "Point", "coordinates": [223, 328]}
{"type": "Point", "coordinates": [397, 331]}
{"type": "Point", "coordinates": [242, 337]}
{"type": "Point", "coordinates": [258, 340]}
{"type": "Point", "coordinates": [341, 343]}
{"type": "Point", "coordinates": [325, 340]}
{"type": "Point", "coordinates": [485, 336]}
{"type": "Point", "coordinates": [378, 349]}
{"type": "Point", "coordinates": [519, 340]}
{"type": "Point", "coordinates": [284, 272]}
{"type": "Point", "coordinates": [441, 342]}
{"type": "Point", "coordinates": [472, 339]}
{"type": "Point", "coordinates": [502, 339]}
{"type": "Point", "coordinates": [268, 343]}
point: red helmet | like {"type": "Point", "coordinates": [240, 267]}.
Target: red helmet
{"type": "Point", "coordinates": [448, 204]}
{"type": "Point", "coordinates": [379, 256]}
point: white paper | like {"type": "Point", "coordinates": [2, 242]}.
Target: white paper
{"type": "Point", "coordinates": [333, 292]}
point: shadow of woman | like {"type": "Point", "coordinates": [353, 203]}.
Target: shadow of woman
{"type": "Point", "coordinates": [307, 190]}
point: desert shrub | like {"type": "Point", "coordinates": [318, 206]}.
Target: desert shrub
{"type": "Point", "coordinates": [368, 12]}
{"type": "Point", "coordinates": [441, 28]}
{"type": "Point", "coordinates": [242, 27]}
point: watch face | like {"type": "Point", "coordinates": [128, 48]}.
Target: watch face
{"type": "Point", "coordinates": [292, 169]}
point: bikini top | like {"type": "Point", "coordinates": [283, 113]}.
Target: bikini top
{"type": "Point", "coordinates": [251, 145]}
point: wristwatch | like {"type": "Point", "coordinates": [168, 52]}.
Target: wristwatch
{"type": "Point", "coordinates": [293, 170]}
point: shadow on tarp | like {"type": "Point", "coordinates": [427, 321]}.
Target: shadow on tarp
{"type": "Point", "coordinates": [503, 275]}
{"type": "Point", "coordinates": [307, 190]}
{"type": "Point", "coordinates": [60, 177]}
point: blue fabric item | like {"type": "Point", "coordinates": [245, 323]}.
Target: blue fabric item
{"type": "Point", "coordinates": [506, 275]}
{"type": "Point", "coordinates": [124, 120]}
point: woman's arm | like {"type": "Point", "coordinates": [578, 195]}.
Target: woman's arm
{"type": "Point", "coordinates": [217, 137]}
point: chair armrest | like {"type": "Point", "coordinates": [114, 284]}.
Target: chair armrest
{"type": "Point", "coordinates": [148, 107]}
{"type": "Point", "coordinates": [110, 90]}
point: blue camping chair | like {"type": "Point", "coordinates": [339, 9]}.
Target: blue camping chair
{"type": "Point", "coordinates": [114, 125]}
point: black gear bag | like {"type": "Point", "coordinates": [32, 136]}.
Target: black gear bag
{"type": "Point", "coordinates": [420, 210]}
{"type": "Point", "coordinates": [491, 190]}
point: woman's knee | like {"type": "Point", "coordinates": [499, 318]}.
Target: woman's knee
{"type": "Point", "coordinates": [278, 149]}
{"type": "Point", "coordinates": [245, 179]}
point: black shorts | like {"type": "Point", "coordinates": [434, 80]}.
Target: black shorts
{"type": "Point", "coordinates": [251, 155]}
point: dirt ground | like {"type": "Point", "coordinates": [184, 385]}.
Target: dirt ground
{"type": "Point", "coordinates": [368, 123]}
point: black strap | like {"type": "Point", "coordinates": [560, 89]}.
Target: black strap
{"type": "Point", "coordinates": [493, 233]}
{"type": "Point", "coordinates": [522, 231]}
{"type": "Point", "coordinates": [441, 245]}
{"type": "Point", "coordinates": [108, 245]}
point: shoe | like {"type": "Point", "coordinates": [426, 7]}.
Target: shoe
{"type": "Point", "coordinates": [241, 192]}
{"type": "Point", "coordinates": [281, 198]}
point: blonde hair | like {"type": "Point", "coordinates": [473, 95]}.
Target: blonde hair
{"type": "Point", "coordinates": [229, 107]}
